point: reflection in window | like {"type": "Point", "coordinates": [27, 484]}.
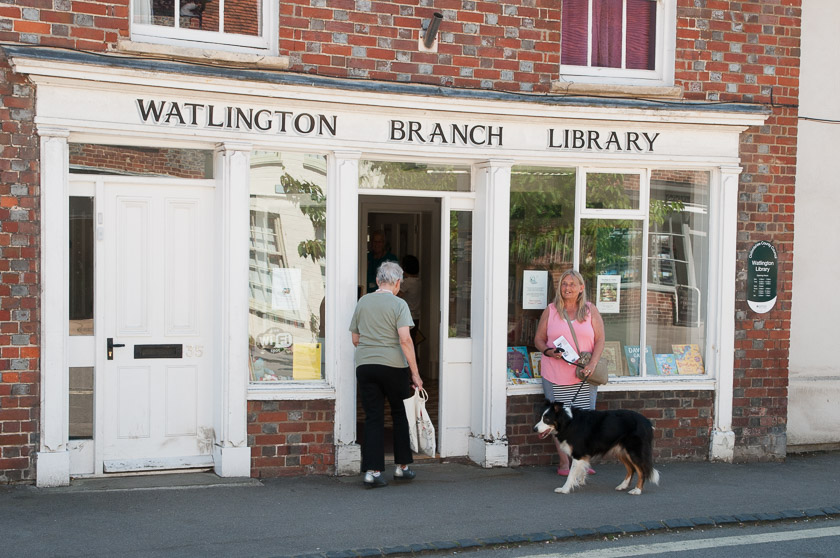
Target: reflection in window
{"type": "Point", "coordinates": [460, 273]}
{"type": "Point", "coordinates": [414, 176]}
{"type": "Point", "coordinates": [611, 265]}
{"type": "Point", "coordinates": [612, 190]}
{"type": "Point", "coordinates": [230, 25]}
{"type": "Point", "coordinates": [287, 267]}
{"type": "Point", "coordinates": [542, 231]}
{"type": "Point", "coordinates": [122, 160]}
{"type": "Point", "coordinates": [678, 264]}
{"type": "Point", "coordinates": [240, 17]}
{"type": "Point", "coordinates": [81, 265]}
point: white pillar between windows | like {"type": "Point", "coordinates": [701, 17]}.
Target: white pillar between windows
{"type": "Point", "coordinates": [231, 454]}
{"type": "Point", "coordinates": [342, 279]}
{"type": "Point", "coordinates": [488, 441]}
{"type": "Point", "coordinates": [726, 209]}
{"type": "Point", "coordinates": [53, 464]}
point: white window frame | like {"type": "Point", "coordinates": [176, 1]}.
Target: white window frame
{"type": "Point", "coordinates": [666, 43]}
{"type": "Point", "coordinates": [266, 43]}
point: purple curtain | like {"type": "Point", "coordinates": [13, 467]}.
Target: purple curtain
{"type": "Point", "coordinates": [606, 33]}
{"type": "Point", "coordinates": [575, 20]}
{"type": "Point", "coordinates": [641, 34]}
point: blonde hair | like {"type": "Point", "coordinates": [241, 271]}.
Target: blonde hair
{"type": "Point", "coordinates": [582, 308]}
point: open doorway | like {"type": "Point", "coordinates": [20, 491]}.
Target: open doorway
{"type": "Point", "coordinates": [410, 227]}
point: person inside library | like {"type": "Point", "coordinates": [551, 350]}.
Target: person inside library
{"type": "Point", "coordinates": [385, 368]}
{"type": "Point", "coordinates": [411, 291]}
{"type": "Point", "coordinates": [561, 380]}
{"type": "Point", "coordinates": [377, 254]}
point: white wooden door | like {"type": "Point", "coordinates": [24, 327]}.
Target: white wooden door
{"type": "Point", "coordinates": [158, 303]}
{"type": "Point", "coordinates": [456, 326]}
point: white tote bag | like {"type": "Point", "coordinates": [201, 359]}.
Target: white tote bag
{"type": "Point", "coordinates": [420, 427]}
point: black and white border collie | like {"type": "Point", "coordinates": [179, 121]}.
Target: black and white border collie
{"type": "Point", "coordinates": [587, 434]}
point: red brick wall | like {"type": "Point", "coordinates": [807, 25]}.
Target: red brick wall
{"type": "Point", "coordinates": [682, 422]}
{"type": "Point", "coordinates": [289, 438]}
{"type": "Point", "coordinates": [19, 281]}
{"type": "Point", "coordinates": [753, 56]}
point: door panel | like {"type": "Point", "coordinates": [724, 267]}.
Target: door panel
{"type": "Point", "coordinates": [456, 341]}
{"type": "Point", "coordinates": [158, 290]}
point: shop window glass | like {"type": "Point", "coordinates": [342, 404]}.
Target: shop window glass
{"type": "Point", "coordinates": [460, 273]}
{"type": "Point", "coordinates": [678, 263]}
{"type": "Point", "coordinates": [220, 23]}
{"type": "Point", "coordinates": [123, 160]}
{"type": "Point", "coordinates": [609, 190]}
{"type": "Point", "coordinates": [611, 265]}
{"type": "Point", "coordinates": [414, 176]}
{"type": "Point", "coordinates": [287, 277]}
{"type": "Point", "coordinates": [542, 219]}
{"type": "Point", "coordinates": [81, 265]}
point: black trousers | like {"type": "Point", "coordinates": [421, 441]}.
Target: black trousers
{"type": "Point", "coordinates": [376, 383]}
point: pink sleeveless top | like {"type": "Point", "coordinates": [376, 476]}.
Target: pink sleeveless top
{"type": "Point", "coordinates": [558, 371]}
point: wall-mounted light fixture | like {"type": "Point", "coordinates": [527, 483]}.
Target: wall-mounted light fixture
{"type": "Point", "coordinates": [428, 41]}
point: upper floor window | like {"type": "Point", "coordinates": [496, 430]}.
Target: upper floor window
{"type": "Point", "coordinates": [236, 25]}
{"type": "Point", "coordinates": [628, 42]}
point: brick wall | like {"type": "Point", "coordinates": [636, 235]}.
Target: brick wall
{"type": "Point", "coordinates": [19, 281]}
{"type": "Point", "coordinates": [682, 422]}
{"type": "Point", "coordinates": [753, 55]}
{"type": "Point", "coordinates": [289, 438]}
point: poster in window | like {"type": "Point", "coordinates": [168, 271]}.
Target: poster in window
{"type": "Point", "coordinates": [306, 364]}
{"type": "Point", "coordinates": [285, 289]}
{"type": "Point", "coordinates": [534, 289]}
{"type": "Point", "coordinates": [608, 294]}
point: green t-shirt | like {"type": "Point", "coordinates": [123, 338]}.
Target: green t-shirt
{"type": "Point", "coordinates": [376, 319]}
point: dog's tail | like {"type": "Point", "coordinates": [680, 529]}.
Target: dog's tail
{"type": "Point", "coordinates": [648, 471]}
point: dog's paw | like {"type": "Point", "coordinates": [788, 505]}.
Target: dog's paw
{"type": "Point", "coordinates": [562, 490]}
{"type": "Point", "coordinates": [635, 492]}
{"type": "Point", "coordinates": [622, 486]}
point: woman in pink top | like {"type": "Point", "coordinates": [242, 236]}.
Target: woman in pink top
{"type": "Point", "coordinates": [560, 379]}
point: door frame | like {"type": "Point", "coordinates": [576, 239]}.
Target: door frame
{"type": "Point", "coordinates": [394, 201]}
{"type": "Point", "coordinates": [231, 454]}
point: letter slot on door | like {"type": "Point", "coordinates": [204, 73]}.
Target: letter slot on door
{"type": "Point", "coordinates": [158, 351]}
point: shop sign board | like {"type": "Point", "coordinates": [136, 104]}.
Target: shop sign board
{"type": "Point", "coordinates": [762, 270]}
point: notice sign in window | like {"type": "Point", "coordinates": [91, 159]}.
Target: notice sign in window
{"type": "Point", "coordinates": [534, 289]}
{"type": "Point", "coordinates": [762, 270]}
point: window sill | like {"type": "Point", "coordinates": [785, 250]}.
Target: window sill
{"type": "Point", "coordinates": [612, 90]}
{"type": "Point", "coordinates": [204, 55]}
{"type": "Point", "coordinates": [290, 391]}
{"type": "Point", "coordinates": [704, 383]}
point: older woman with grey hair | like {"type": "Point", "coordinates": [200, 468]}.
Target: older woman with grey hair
{"type": "Point", "coordinates": [385, 368]}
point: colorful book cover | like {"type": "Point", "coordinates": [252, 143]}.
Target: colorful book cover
{"type": "Point", "coordinates": [689, 360]}
{"type": "Point", "coordinates": [666, 365]}
{"type": "Point", "coordinates": [518, 365]}
{"type": "Point", "coordinates": [536, 358]}
{"type": "Point", "coordinates": [632, 354]}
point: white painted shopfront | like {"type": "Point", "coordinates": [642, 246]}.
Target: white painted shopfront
{"type": "Point", "coordinates": [172, 255]}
